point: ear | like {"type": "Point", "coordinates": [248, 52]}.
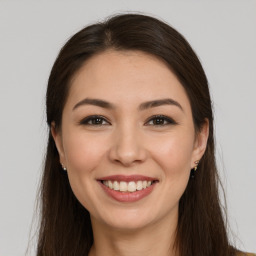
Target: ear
{"type": "Point", "coordinates": [56, 134]}
{"type": "Point", "coordinates": [200, 143]}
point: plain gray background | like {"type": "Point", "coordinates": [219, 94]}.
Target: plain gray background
{"type": "Point", "coordinates": [223, 33]}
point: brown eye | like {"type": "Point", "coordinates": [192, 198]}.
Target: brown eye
{"type": "Point", "coordinates": [94, 120]}
{"type": "Point", "coordinates": [160, 120]}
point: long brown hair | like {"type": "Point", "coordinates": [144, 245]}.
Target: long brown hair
{"type": "Point", "coordinates": [65, 224]}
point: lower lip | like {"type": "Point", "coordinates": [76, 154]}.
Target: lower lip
{"type": "Point", "coordinates": [128, 196]}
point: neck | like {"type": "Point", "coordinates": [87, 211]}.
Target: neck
{"type": "Point", "coordinates": [155, 239]}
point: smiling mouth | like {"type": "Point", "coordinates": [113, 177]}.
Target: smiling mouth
{"type": "Point", "coordinates": [128, 188]}
{"type": "Point", "coordinates": [131, 186]}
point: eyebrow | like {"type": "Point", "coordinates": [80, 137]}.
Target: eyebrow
{"type": "Point", "coordinates": [160, 102]}
{"type": "Point", "coordinates": [95, 102]}
{"type": "Point", "coordinates": [142, 106]}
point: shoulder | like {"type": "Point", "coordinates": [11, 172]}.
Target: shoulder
{"type": "Point", "coordinates": [245, 254]}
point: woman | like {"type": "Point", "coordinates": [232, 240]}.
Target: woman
{"type": "Point", "coordinates": [130, 166]}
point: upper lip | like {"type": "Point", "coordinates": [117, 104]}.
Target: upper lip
{"type": "Point", "coordinates": [127, 178]}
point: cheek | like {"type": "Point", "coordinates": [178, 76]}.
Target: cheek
{"type": "Point", "coordinates": [174, 153]}
{"type": "Point", "coordinates": [83, 153]}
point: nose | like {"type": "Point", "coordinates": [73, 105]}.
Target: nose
{"type": "Point", "coordinates": [128, 147]}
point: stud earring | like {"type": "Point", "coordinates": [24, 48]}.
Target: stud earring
{"type": "Point", "coordinates": [196, 165]}
{"type": "Point", "coordinates": [192, 173]}
{"type": "Point", "coordinates": [63, 167]}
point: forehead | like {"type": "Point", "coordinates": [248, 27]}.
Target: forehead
{"type": "Point", "coordinates": [126, 76]}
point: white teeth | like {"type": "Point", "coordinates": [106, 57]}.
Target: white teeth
{"type": "Point", "coordinates": [110, 184]}
{"type": "Point", "coordinates": [124, 186]}
{"type": "Point", "coordinates": [139, 185]}
{"type": "Point", "coordinates": [131, 186]}
{"type": "Point", "coordinates": [144, 184]}
{"type": "Point", "coordinates": [116, 185]}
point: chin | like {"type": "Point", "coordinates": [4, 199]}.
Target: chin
{"type": "Point", "coordinates": [128, 219]}
{"type": "Point", "coordinates": [129, 224]}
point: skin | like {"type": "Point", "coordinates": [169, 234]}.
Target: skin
{"type": "Point", "coordinates": [128, 141]}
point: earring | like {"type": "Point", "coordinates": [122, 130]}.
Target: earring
{"type": "Point", "coordinates": [196, 165]}
{"type": "Point", "coordinates": [63, 167]}
{"type": "Point", "coordinates": [192, 173]}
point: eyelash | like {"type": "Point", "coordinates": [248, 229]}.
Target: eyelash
{"type": "Point", "coordinates": [169, 120]}
{"type": "Point", "coordinates": [88, 119]}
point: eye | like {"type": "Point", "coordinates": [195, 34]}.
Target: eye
{"type": "Point", "coordinates": [160, 120]}
{"type": "Point", "coordinates": [94, 120]}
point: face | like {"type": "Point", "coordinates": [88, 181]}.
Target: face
{"type": "Point", "coordinates": [128, 140]}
